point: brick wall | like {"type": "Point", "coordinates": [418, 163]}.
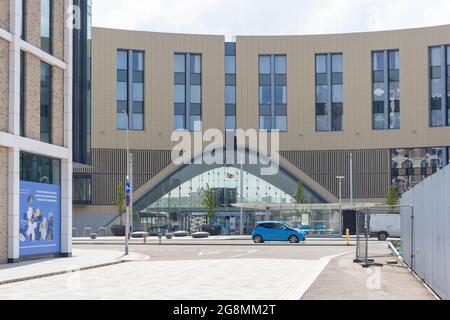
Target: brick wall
{"type": "Point", "coordinates": [58, 29]}
{"type": "Point", "coordinates": [33, 22]}
{"type": "Point", "coordinates": [4, 14]}
{"type": "Point", "coordinates": [4, 85]}
{"type": "Point", "coordinates": [3, 205]}
{"type": "Point", "coordinates": [58, 107]}
{"type": "Point", "coordinates": [32, 97]}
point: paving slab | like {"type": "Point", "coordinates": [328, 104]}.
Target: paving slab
{"type": "Point", "coordinates": [343, 279]}
{"type": "Point", "coordinates": [81, 259]}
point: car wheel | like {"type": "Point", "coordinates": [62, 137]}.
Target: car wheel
{"type": "Point", "coordinates": [293, 239]}
{"type": "Point", "coordinates": [382, 236]}
{"type": "Point", "coordinates": [258, 239]}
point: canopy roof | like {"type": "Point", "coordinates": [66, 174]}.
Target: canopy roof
{"type": "Point", "coordinates": [312, 206]}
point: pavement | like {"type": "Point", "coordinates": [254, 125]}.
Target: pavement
{"type": "Point", "coordinates": [230, 272]}
{"type": "Point", "coordinates": [82, 259]}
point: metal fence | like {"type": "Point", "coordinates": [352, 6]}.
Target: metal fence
{"type": "Point", "coordinates": [426, 231]}
{"type": "Point", "coordinates": [362, 239]}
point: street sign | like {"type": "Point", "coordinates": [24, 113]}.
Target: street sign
{"type": "Point", "coordinates": [128, 187]}
{"type": "Point", "coordinates": [128, 200]}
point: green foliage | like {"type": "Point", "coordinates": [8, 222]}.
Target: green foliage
{"type": "Point", "coordinates": [120, 201]}
{"type": "Point", "coordinates": [299, 194]}
{"type": "Point", "coordinates": [393, 196]}
{"type": "Point", "coordinates": [209, 202]}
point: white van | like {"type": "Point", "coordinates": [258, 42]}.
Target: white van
{"type": "Point", "coordinates": [385, 226]}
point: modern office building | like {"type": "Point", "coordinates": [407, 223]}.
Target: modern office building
{"type": "Point", "coordinates": [35, 129]}
{"type": "Point", "coordinates": [383, 97]}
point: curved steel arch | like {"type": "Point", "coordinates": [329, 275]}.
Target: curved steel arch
{"type": "Point", "coordinates": [284, 180]}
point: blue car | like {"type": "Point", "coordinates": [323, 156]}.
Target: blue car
{"type": "Point", "coordinates": [277, 231]}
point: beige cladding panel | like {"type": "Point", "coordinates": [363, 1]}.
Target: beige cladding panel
{"type": "Point", "coordinates": [32, 97]}
{"type": "Point", "coordinates": [4, 14]}
{"type": "Point", "coordinates": [357, 52]}
{"type": "Point", "coordinates": [356, 48]}
{"type": "Point", "coordinates": [4, 85]}
{"type": "Point", "coordinates": [3, 204]}
{"type": "Point", "coordinates": [159, 80]}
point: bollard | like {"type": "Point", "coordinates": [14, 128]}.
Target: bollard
{"type": "Point", "coordinates": [160, 237]}
{"type": "Point", "coordinates": [145, 238]}
{"type": "Point", "coordinates": [347, 236]}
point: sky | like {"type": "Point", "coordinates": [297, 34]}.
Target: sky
{"type": "Point", "coordinates": [268, 17]}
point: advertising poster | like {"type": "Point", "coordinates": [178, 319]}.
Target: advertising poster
{"type": "Point", "coordinates": [40, 218]}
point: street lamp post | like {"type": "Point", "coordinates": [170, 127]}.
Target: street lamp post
{"type": "Point", "coordinates": [128, 186]}
{"type": "Point", "coordinates": [340, 178]}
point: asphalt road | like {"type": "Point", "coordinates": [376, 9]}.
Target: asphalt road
{"type": "Point", "coordinates": [212, 252]}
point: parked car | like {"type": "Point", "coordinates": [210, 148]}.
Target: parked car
{"type": "Point", "coordinates": [385, 226]}
{"type": "Point", "coordinates": [277, 231]}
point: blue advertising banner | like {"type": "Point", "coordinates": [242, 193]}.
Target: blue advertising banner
{"type": "Point", "coordinates": [40, 218]}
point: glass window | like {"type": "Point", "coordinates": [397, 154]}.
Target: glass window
{"type": "Point", "coordinates": [321, 63]}
{"type": "Point", "coordinates": [394, 63]}
{"type": "Point", "coordinates": [264, 122]}
{"type": "Point", "coordinates": [394, 91]}
{"type": "Point", "coordinates": [179, 62]}
{"type": "Point", "coordinates": [265, 95]}
{"type": "Point", "coordinates": [121, 121]}
{"type": "Point", "coordinates": [448, 57]}
{"type": "Point", "coordinates": [230, 95]}
{"type": "Point", "coordinates": [195, 123]}
{"type": "Point", "coordinates": [338, 94]}
{"type": "Point", "coordinates": [230, 65]}
{"type": "Point", "coordinates": [138, 121]}
{"type": "Point", "coordinates": [179, 122]}
{"type": "Point", "coordinates": [179, 94]}
{"type": "Point", "coordinates": [281, 95]}
{"type": "Point", "coordinates": [322, 94]}
{"type": "Point", "coordinates": [436, 57]}
{"type": "Point", "coordinates": [337, 65]}
{"type": "Point", "coordinates": [82, 190]}
{"type": "Point", "coordinates": [196, 94]}
{"type": "Point", "coordinates": [46, 108]}
{"type": "Point", "coordinates": [196, 63]}
{"type": "Point", "coordinates": [138, 61]}
{"type": "Point", "coordinates": [138, 91]}
{"type": "Point", "coordinates": [39, 169]}
{"type": "Point", "coordinates": [122, 89]}
{"type": "Point", "coordinates": [46, 23]}
{"type": "Point", "coordinates": [230, 122]}
{"type": "Point", "coordinates": [264, 64]}
{"type": "Point", "coordinates": [378, 61]}
{"type": "Point", "coordinates": [122, 60]}
{"type": "Point", "coordinates": [378, 91]}
{"type": "Point", "coordinates": [436, 88]}
{"type": "Point", "coordinates": [280, 65]}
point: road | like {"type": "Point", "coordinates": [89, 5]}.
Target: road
{"type": "Point", "coordinates": [228, 272]}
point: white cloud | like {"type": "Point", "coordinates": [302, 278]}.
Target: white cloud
{"type": "Point", "coordinates": [243, 17]}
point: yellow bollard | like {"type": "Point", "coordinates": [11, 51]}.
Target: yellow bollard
{"type": "Point", "coordinates": [347, 236]}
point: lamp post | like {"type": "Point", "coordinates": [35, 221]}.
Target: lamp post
{"type": "Point", "coordinates": [128, 187]}
{"type": "Point", "coordinates": [340, 178]}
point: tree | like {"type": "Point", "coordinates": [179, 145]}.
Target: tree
{"type": "Point", "coordinates": [393, 196]}
{"type": "Point", "coordinates": [209, 202]}
{"type": "Point", "coordinates": [299, 194]}
{"type": "Point", "coordinates": [120, 201]}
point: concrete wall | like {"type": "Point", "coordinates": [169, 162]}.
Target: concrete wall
{"type": "Point", "coordinates": [427, 236]}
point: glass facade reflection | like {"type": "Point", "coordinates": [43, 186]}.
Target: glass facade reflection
{"type": "Point", "coordinates": [412, 166]}
{"type": "Point", "coordinates": [179, 205]}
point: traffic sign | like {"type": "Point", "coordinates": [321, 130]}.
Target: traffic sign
{"type": "Point", "coordinates": [127, 187]}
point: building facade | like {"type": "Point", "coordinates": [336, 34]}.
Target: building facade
{"type": "Point", "coordinates": [35, 129]}
{"type": "Point", "coordinates": [381, 96]}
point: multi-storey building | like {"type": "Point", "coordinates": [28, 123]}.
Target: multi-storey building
{"type": "Point", "coordinates": [381, 96]}
{"type": "Point", "coordinates": [35, 129]}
